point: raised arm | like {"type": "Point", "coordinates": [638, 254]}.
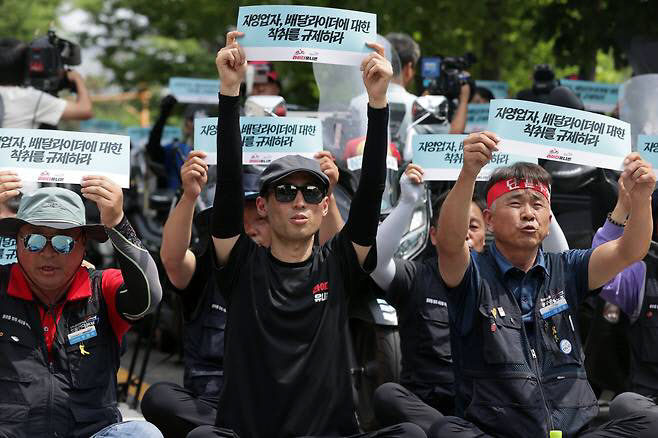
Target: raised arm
{"type": "Point", "coordinates": [179, 262]}
{"type": "Point", "coordinates": [332, 223]}
{"type": "Point", "coordinates": [612, 257]}
{"type": "Point", "coordinates": [454, 255]}
{"type": "Point", "coordinates": [154, 145]}
{"type": "Point", "coordinates": [228, 209]}
{"type": "Point", "coordinates": [142, 291]}
{"type": "Point", "coordinates": [362, 222]}
{"type": "Point", "coordinates": [458, 123]}
{"type": "Point", "coordinates": [390, 231]}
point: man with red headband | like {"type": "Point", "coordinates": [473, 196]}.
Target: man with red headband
{"type": "Point", "coordinates": [513, 308]}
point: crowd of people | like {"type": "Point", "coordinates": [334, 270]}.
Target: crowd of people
{"type": "Point", "coordinates": [489, 328]}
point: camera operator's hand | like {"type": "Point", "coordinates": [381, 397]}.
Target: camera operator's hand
{"type": "Point", "coordinates": [458, 123]}
{"type": "Point", "coordinates": [478, 150]}
{"type": "Point", "coordinates": [377, 73]}
{"type": "Point", "coordinates": [231, 64]}
{"type": "Point", "coordinates": [81, 109]}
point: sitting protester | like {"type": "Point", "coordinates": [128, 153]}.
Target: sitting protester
{"type": "Point", "coordinates": [635, 291]}
{"type": "Point", "coordinates": [286, 369]}
{"type": "Point", "coordinates": [513, 308]}
{"type": "Point", "coordinates": [418, 294]}
{"type": "Point", "coordinates": [177, 410]}
{"type": "Point", "coordinates": [62, 323]}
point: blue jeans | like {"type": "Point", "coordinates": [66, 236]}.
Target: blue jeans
{"type": "Point", "coordinates": [129, 429]}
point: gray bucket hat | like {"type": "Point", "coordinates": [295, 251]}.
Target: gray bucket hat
{"type": "Point", "coordinates": [53, 207]}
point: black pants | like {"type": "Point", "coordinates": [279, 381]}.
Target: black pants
{"type": "Point", "coordinates": [393, 403]}
{"type": "Point", "coordinates": [175, 410]}
{"type": "Point", "coordinates": [632, 416]}
{"type": "Point", "coordinates": [406, 430]}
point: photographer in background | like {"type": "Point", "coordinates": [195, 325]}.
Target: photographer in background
{"type": "Point", "coordinates": [28, 107]}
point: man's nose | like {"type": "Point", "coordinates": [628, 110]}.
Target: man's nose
{"type": "Point", "coordinates": [299, 201]}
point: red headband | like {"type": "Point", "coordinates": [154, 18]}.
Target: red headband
{"type": "Point", "coordinates": [511, 184]}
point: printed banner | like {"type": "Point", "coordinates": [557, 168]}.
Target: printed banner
{"type": "Point", "coordinates": [478, 117]}
{"type": "Point", "coordinates": [306, 33]}
{"type": "Point", "coordinates": [101, 126]}
{"type": "Point", "coordinates": [194, 90]}
{"type": "Point", "coordinates": [647, 146]}
{"type": "Point", "coordinates": [140, 136]}
{"type": "Point", "coordinates": [264, 139]}
{"type": "Point", "coordinates": [442, 155]}
{"type": "Point", "coordinates": [41, 155]}
{"type": "Point", "coordinates": [559, 134]}
{"type": "Point", "coordinates": [7, 250]}
{"type": "Point", "coordinates": [596, 96]}
{"type": "Point", "coordinates": [500, 89]}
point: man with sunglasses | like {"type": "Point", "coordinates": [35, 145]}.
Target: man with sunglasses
{"type": "Point", "coordinates": [61, 323]}
{"type": "Point", "coordinates": [285, 370]}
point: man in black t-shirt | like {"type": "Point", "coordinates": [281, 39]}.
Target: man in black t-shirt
{"type": "Point", "coordinates": [285, 371]}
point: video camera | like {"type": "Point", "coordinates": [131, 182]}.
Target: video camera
{"type": "Point", "coordinates": [47, 57]}
{"type": "Point", "coordinates": [445, 75]}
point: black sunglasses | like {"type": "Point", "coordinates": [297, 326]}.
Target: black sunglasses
{"type": "Point", "coordinates": [288, 193]}
{"type": "Point", "coordinates": [60, 243]}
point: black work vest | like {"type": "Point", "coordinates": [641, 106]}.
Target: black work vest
{"type": "Point", "coordinates": [512, 385]}
{"type": "Point", "coordinates": [203, 343]}
{"type": "Point", "coordinates": [72, 396]}
{"type": "Point", "coordinates": [643, 335]}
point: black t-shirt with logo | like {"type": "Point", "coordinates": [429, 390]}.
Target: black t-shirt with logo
{"type": "Point", "coordinates": [286, 367]}
{"type": "Point", "coordinates": [419, 296]}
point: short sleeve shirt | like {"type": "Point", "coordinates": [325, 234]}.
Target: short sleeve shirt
{"type": "Point", "coordinates": [27, 107]}
{"type": "Point", "coordinates": [286, 367]}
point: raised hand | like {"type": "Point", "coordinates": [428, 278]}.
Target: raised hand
{"type": "Point", "coordinates": [478, 150]}
{"type": "Point", "coordinates": [377, 73]}
{"type": "Point", "coordinates": [411, 183]}
{"type": "Point", "coordinates": [194, 174]}
{"type": "Point", "coordinates": [638, 177]}
{"type": "Point", "coordinates": [231, 64]}
{"type": "Point", "coordinates": [328, 167]}
{"type": "Point", "coordinates": [10, 184]}
{"type": "Point", "coordinates": [108, 197]}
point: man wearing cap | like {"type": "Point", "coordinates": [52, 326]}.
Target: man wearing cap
{"type": "Point", "coordinates": [285, 368]}
{"type": "Point", "coordinates": [61, 324]}
{"type": "Point", "coordinates": [176, 410]}
{"type": "Point", "coordinates": [513, 308]}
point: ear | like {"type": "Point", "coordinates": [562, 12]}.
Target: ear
{"type": "Point", "coordinates": [488, 220]}
{"type": "Point", "coordinates": [434, 238]}
{"type": "Point", "coordinates": [325, 206]}
{"type": "Point", "coordinates": [261, 206]}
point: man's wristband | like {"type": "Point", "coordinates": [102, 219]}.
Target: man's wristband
{"type": "Point", "coordinates": [614, 222]}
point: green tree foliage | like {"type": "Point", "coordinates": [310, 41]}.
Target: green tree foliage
{"type": "Point", "coordinates": [26, 19]}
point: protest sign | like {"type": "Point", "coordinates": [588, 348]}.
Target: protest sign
{"type": "Point", "coordinates": [559, 134]}
{"type": "Point", "coordinates": [356, 162]}
{"type": "Point", "coordinates": [647, 146]}
{"type": "Point", "coordinates": [478, 117]}
{"type": "Point", "coordinates": [306, 33]}
{"type": "Point", "coordinates": [596, 96]}
{"type": "Point", "coordinates": [139, 136]}
{"type": "Point", "coordinates": [264, 139]}
{"type": "Point", "coordinates": [41, 155]}
{"type": "Point", "coordinates": [441, 156]}
{"type": "Point", "coordinates": [7, 250]}
{"type": "Point", "coordinates": [499, 89]}
{"type": "Point", "coordinates": [101, 126]}
{"type": "Point", "coordinates": [194, 90]}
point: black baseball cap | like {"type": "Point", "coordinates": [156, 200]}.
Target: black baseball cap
{"type": "Point", "coordinates": [282, 167]}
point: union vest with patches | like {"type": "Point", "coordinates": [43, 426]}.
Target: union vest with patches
{"type": "Point", "coordinates": [509, 385]}
{"type": "Point", "coordinates": [72, 396]}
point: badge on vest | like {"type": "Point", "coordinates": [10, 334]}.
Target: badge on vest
{"type": "Point", "coordinates": [83, 330]}
{"type": "Point", "coordinates": [565, 346]}
{"type": "Point", "coordinates": [552, 307]}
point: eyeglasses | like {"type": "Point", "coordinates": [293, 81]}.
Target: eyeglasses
{"type": "Point", "coordinates": [60, 243]}
{"type": "Point", "coordinates": [288, 193]}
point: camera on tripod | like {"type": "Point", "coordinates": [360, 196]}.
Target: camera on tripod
{"type": "Point", "coordinates": [445, 75]}
{"type": "Point", "coordinates": [47, 57]}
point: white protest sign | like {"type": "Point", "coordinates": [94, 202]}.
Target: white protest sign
{"type": "Point", "coordinates": [559, 134]}
{"type": "Point", "coordinates": [7, 250]}
{"type": "Point", "coordinates": [306, 34]}
{"type": "Point", "coordinates": [194, 90]}
{"type": "Point", "coordinates": [41, 155]}
{"type": "Point", "coordinates": [596, 96]}
{"type": "Point", "coordinates": [264, 139]}
{"type": "Point", "coordinates": [441, 156]}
